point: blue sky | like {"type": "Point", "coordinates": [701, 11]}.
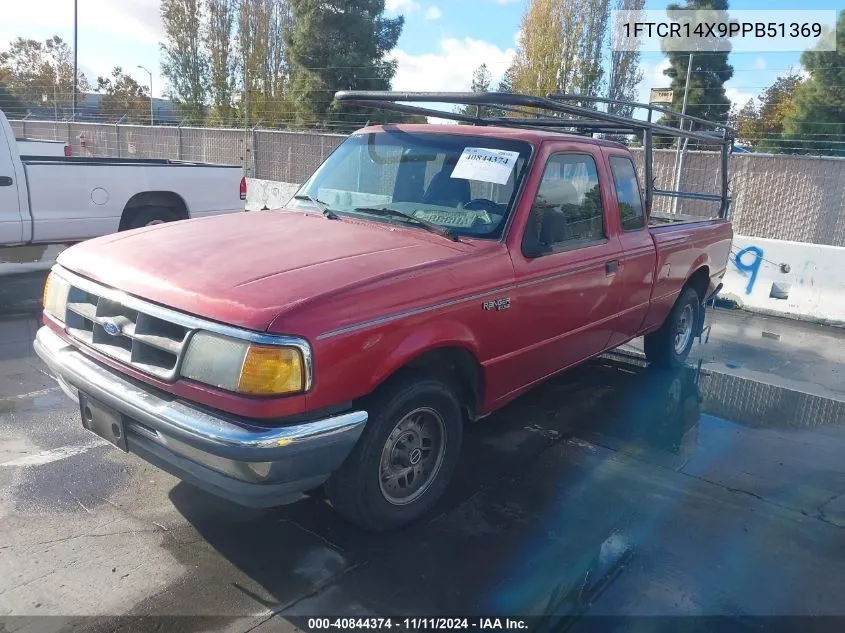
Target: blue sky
{"type": "Point", "coordinates": [443, 40]}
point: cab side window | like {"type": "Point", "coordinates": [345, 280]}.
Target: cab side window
{"type": "Point", "coordinates": [567, 212]}
{"type": "Point", "coordinates": [627, 193]}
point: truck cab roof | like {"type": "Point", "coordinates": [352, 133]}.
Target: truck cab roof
{"type": "Point", "coordinates": [535, 137]}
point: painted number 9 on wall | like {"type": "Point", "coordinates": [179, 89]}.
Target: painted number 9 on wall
{"type": "Point", "coordinates": [748, 262]}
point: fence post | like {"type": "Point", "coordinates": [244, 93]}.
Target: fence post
{"type": "Point", "coordinates": [254, 141]}
{"type": "Point", "coordinates": [179, 141]}
{"type": "Point", "coordinates": [117, 137]}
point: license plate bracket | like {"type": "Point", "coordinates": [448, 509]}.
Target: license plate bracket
{"type": "Point", "coordinates": [103, 421]}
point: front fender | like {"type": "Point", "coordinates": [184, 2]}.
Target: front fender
{"type": "Point", "coordinates": [411, 343]}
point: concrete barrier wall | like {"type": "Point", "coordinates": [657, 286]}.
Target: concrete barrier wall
{"type": "Point", "coordinates": [268, 194]}
{"type": "Point", "coordinates": [792, 279]}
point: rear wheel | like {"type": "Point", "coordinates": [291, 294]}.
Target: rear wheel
{"type": "Point", "coordinates": [405, 458]}
{"type": "Point", "coordinates": [670, 345]}
{"type": "Point", "coordinates": [150, 216]}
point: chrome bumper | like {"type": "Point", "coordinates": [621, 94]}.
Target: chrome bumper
{"type": "Point", "coordinates": [252, 465]}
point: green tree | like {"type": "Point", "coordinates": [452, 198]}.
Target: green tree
{"type": "Point", "coordinates": [589, 75]}
{"type": "Point", "coordinates": [710, 70]}
{"type": "Point", "coordinates": [481, 82]}
{"type": "Point", "coordinates": [562, 47]}
{"type": "Point", "coordinates": [184, 62]}
{"type": "Point", "coordinates": [339, 45]}
{"type": "Point", "coordinates": [747, 124]}
{"type": "Point", "coordinates": [42, 73]}
{"type": "Point", "coordinates": [816, 125]}
{"type": "Point", "coordinates": [760, 123]}
{"type": "Point", "coordinates": [263, 61]}
{"type": "Point", "coordinates": [11, 105]}
{"type": "Point", "coordinates": [507, 82]}
{"type": "Point", "coordinates": [217, 37]}
{"type": "Point", "coordinates": [625, 73]}
{"type": "Point", "coordinates": [123, 98]}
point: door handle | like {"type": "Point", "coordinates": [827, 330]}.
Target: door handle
{"type": "Point", "coordinates": [6, 181]}
{"type": "Point", "coordinates": [611, 267]}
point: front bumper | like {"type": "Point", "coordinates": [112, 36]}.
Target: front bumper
{"type": "Point", "coordinates": [252, 465]}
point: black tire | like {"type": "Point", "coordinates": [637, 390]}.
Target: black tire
{"type": "Point", "coordinates": [147, 216]}
{"type": "Point", "coordinates": [356, 490]}
{"type": "Point", "coordinates": [668, 347]}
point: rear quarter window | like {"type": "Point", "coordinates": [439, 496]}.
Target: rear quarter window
{"type": "Point", "coordinates": [627, 193]}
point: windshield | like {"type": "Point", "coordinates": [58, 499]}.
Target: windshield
{"type": "Point", "coordinates": [465, 184]}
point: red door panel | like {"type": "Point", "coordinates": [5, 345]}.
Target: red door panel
{"type": "Point", "coordinates": [567, 297]}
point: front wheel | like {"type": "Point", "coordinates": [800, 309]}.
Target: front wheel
{"type": "Point", "coordinates": [670, 345]}
{"type": "Point", "coordinates": [405, 458]}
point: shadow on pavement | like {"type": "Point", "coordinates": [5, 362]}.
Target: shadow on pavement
{"type": "Point", "coordinates": [523, 477]}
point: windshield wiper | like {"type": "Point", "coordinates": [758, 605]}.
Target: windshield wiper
{"type": "Point", "coordinates": [428, 226]}
{"type": "Point", "coordinates": [326, 209]}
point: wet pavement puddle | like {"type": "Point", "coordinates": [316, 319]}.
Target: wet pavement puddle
{"type": "Point", "coordinates": [612, 489]}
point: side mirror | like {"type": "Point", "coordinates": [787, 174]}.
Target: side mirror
{"type": "Point", "coordinates": [532, 251]}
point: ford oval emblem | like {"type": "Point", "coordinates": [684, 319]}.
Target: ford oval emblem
{"type": "Point", "coordinates": [111, 328]}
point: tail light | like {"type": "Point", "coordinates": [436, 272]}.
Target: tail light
{"type": "Point", "coordinates": [243, 188]}
{"type": "Point", "coordinates": [68, 151]}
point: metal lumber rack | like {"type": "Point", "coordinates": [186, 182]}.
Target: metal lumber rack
{"type": "Point", "coordinates": [557, 112]}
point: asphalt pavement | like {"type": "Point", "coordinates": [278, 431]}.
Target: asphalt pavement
{"type": "Point", "coordinates": [613, 489]}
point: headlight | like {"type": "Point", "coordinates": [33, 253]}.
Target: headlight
{"type": "Point", "coordinates": [244, 367]}
{"type": "Point", "coordinates": [56, 290]}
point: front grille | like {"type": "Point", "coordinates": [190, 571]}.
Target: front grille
{"type": "Point", "coordinates": [147, 343]}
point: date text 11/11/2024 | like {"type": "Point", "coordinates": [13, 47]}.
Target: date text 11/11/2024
{"type": "Point", "coordinates": [417, 624]}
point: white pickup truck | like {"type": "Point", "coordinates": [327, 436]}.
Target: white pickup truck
{"type": "Point", "coordinates": [46, 199]}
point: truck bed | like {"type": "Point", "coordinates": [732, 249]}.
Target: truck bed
{"type": "Point", "coordinates": [682, 248]}
{"type": "Point", "coordinates": [134, 162]}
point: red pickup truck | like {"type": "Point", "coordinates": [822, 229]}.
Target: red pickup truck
{"type": "Point", "coordinates": [422, 278]}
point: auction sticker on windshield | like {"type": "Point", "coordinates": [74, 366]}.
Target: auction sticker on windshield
{"type": "Point", "coordinates": [486, 165]}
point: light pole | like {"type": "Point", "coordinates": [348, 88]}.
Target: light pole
{"type": "Point", "coordinates": [75, 69]}
{"type": "Point", "coordinates": [152, 118]}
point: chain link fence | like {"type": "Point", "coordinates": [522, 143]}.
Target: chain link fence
{"type": "Point", "coordinates": [798, 198]}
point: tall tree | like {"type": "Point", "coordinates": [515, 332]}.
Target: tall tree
{"type": "Point", "coordinates": [537, 65]}
{"type": "Point", "coordinates": [219, 20]}
{"type": "Point", "coordinates": [562, 47]}
{"type": "Point", "coordinates": [747, 124]}
{"type": "Point", "coordinates": [184, 61]}
{"type": "Point", "coordinates": [591, 47]}
{"type": "Point", "coordinates": [507, 82]}
{"type": "Point", "coordinates": [42, 73]}
{"type": "Point", "coordinates": [481, 79]}
{"type": "Point", "coordinates": [123, 98]}
{"type": "Point", "coordinates": [11, 105]}
{"type": "Point", "coordinates": [710, 70]}
{"type": "Point", "coordinates": [817, 122]}
{"type": "Point", "coordinates": [481, 82]}
{"type": "Point", "coordinates": [339, 46]}
{"type": "Point", "coordinates": [625, 74]}
{"type": "Point", "coordinates": [265, 76]}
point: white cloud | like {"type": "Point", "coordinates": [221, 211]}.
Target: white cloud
{"type": "Point", "coordinates": [450, 68]}
{"type": "Point", "coordinates": [135, 20]}
{"type": "Point", "coordinates": [760, 64]}
{"type": "Point", "coordinates": [396, 6]}
{"type": "Point", "coordinates": [658, 79]}
{"type": "Point", "coordinates": [653, 77]}
{"type": "Point", "coordinates": [433, 13]}
{"type": "Point", "coordinates": [738, 97]}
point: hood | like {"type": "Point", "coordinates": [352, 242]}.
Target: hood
{"type": "Point", "coordinates": [246, 269]}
